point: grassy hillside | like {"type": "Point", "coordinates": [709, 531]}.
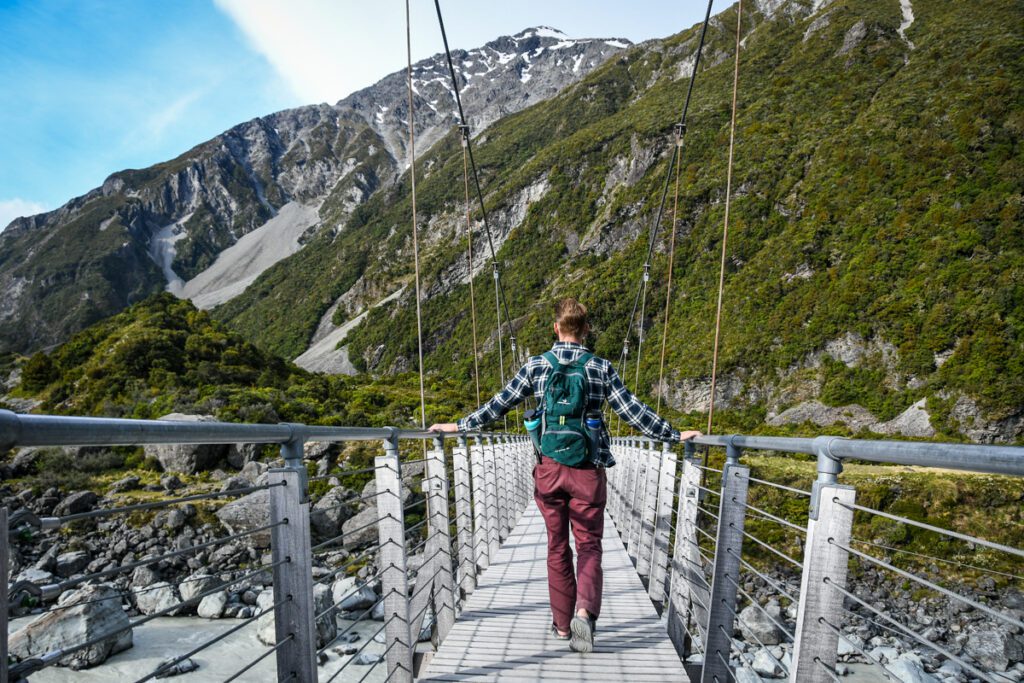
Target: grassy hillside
{"type": "Point", "coordinates": [877, 194]}
{"type": "Point", "coordinates": [163, 355]}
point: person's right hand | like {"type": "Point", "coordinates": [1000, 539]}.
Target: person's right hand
{"type": "Point", "coordinates": [686, 436]}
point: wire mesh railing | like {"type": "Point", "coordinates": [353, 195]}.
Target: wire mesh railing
{"type": "Point", "coordinates": [402, 554]}
{"type": "Point", "coordinates": [782, 580]}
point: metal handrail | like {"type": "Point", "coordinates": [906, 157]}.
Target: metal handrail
{"type": "Point", "coordinates": [59, 430]}
{"type": "Point", "coordinates": [989, 459]}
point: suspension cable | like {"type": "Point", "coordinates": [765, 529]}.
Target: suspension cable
{"type": "Point", "coordinates": [681, 129]}
{"type": "Point", "coordinates": [464, 131]}
{"type": "Point", "coordinates": [725, 225]}
{"type": "Point", "coordinates": [476, 182]}
{"type": "Point", "coordinates": [415, 231]}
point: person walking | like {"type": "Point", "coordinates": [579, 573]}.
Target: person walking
{"type": "Point", "coordinates": [571, 385]}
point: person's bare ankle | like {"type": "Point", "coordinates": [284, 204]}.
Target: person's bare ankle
{"type": "Point", "coordinates": [583, 614]}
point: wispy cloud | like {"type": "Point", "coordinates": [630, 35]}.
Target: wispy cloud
{"type": "Point", "coordinates": [16, 208]}
{"type": "Point", "coordinates": [323, 50]}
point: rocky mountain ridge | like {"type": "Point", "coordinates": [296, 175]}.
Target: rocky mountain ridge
{"type": "Point", "coordinates": [163, 226]}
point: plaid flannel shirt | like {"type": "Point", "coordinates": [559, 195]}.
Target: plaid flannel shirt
{"type": "Point", "coordinates": [603, 384]}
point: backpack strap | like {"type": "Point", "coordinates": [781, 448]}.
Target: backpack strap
{"type": "Point", "coordinates": [552, 359]}
{"type": "Point", "coordinates": [583, 360]}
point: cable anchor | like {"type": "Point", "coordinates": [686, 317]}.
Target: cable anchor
{"type": "Point", "coordinates": [680, 131]}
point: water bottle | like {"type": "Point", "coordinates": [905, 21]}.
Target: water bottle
{"type": "Point", "coordinates": [594, 425]}
{"type": "Point", "coordinates": [532, 422]}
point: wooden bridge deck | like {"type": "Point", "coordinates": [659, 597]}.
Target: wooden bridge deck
{"type": "Point", "coordinates": [503, 632]}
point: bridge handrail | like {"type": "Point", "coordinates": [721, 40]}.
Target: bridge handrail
{"type": "Point", "coordinates": [698, 579]}
{"type": "Point", "coordinates": [498, 464]}
{"type": "Point", "coordinates": [989, 459]}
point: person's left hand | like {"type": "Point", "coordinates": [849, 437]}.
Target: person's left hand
{"type": "Point", "coordinates": [443, 427]}
{"type": "Point", "coordinates": [686, 436]}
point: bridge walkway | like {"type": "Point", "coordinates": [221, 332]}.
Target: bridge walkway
{"type": "Point", "coordinates": [503, 632]}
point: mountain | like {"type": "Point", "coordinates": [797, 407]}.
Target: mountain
{"type": "Point", "coordinates": [875, 252]}
{"type": "Point", "coordinates": [874, 261]}
{"type": "Point", "coordinates": [205, 224]}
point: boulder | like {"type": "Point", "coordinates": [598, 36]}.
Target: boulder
{"type": "Point", "coordinates": [87, 612]}
{"type": "Point", "coordinates": [187, 458]}
{"type": "Point", "coordinates": [765, 665]}
{"type": "Point", "coordinates": [247, 513]}
{"type": "Point", "coordinates": [265, 631]}
{"type": "Point", "coordinates": [129, 483]}
{"type": "Point", "coordinates": [253, 470]}
{"type": "Point", "coordinates": [747, 675]}
{"type": "Point", "coordinates": [171, 482]}
{"type": "Point", "coordinates": [326, 625]}
{"type": "Point", "coordinates": [756, 626]}
{"type": "Point", "coordinates": [144, 576]}
{"type": "Point", "coordinates": [350, 594]}
{"type": "Point", "coordinates": [358, 530]}
{"type": "Point", "coordinates": [994, 648]}
{"type": "Point", "coordinates": [167, 669]}
{"type": "Point", "coordinates": [156, 598]}
{"type": "Point", "coordinates": [71, 563]}
{"type": "Point", "coordinates": [196, 584]}
{"type": "Point", "coordinates": [909, 669]}
{"type": "Point", "coordinates": [331, 511]}
{"type": "Point", "coordinates": [76, 503]}
{"type": "Point", "coordinates": [212, 606]}
{"type": "Point", "coordinates": [25, 462]}
{"type": "Point", "coordinates": [241, 453]}
{"type": "Point", "coordinates": [235, 483]}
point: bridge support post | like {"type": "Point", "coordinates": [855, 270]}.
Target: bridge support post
{"type": "Point", "coordinates": [688, 589]}
{"type": "Point", "coordinates": [293, 570]}
{"type": "Point", "coordinates": [480, 544]}
{"type": "Point", "coordinates": [439, 528]}
{"type": "Point", "coordinates": [392, 561]}
{"type": "Point", "coordinates": [728, 550]}
{"type": "Point", "coordinates": [663, 527]}
{"type": "Point", "coordinates": [464, 518]}
{"type": "Point", "coordinates": [634, 499]}
{"type": "Point", "coordinates": [831, 519]}
{"type": "Point", "coordinates": [491, 493]}
{"type": "Point", "coordinates": [505, 464]}
{"type": "Point", "coordinates": [648, 508]}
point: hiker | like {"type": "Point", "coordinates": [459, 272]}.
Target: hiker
{"type": "Point", "coordinates": [571, 385]}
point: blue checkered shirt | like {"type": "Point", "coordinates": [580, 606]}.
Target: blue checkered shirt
{"type": "Point", "coordinates": [603, 384]}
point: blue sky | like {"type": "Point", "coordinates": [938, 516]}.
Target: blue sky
{"type": "Point", "coordinates": [90, 87]}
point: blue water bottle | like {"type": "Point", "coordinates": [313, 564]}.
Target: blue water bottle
{"type": "Point", "coordinates": [532, 422]}
{"type": "Point", "coordinates": [594, 426]}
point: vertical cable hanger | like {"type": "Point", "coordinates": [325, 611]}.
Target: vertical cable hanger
{"type": "Point", "coordinates": [680, 130]}
{"type": "Point", "coordinates": [725, 225]}
{"type": "Point", "coordinates": [415, 231]}
{"type": "Point", "coordinates": [464, 135]}
{"type": "Point", "coordinates": [476, 182]}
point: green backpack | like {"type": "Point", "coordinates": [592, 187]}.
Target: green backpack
{"type": "Point", "coordinates": [564, 432]}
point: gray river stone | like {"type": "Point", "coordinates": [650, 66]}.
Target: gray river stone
{"type": "Point", "coordinates": [89, 611]}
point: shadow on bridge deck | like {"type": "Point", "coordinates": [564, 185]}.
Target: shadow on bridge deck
{"type": "Point", "coordinates": [503, 632]}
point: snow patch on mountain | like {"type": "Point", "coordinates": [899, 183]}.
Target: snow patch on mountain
{"type": "Point", "coordinates": [162, 251]}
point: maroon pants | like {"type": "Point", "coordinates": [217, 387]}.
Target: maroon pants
{"type": "Point", "coordinates": [569, 497]}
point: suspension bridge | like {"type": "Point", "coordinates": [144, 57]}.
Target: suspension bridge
{"type": "Point", "coordinates": [678, 554]}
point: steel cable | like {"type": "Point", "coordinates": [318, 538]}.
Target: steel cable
{"type": "Point", "coordinates": [259, 659]}
{"type": "Point", "coordinates": [921, 639]}
{"type": "Point", "coordinates": [221, 636]}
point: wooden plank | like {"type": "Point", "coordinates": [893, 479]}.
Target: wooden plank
{"type": "Point", "coordinates": [503, 631]}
